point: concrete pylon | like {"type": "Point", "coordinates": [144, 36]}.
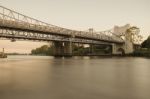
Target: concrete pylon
{"type": "Point", "coordinates": [62, 48]}
{"type": "Point", "coordinates": [126, 47]}
{"type": "Point", "coordinates": [118, 49]}
{"type": "Point", "coordinates": [57, 48]}
{"type": "Point", "coordinates": [128, 43]}
{"type": "Point", "coordinates": [68, 48]}
{"type": "Point", "coordinates": [91, 48]}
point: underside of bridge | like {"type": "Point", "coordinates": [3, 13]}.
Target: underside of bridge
{"type": "Point", "coordinates": [80, 49]}
{"type": "Point", "coordinates": [67, 49]}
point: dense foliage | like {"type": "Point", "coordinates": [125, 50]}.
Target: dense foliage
{"type": "Point", "coordinates": [77, 50]}
{"type": "Point", "coordinates": [43, 50]}
{"type": "Point", "coordinates": [142, 52]}
{"type": "Point", "coordinates": [146, 43]}
{"type": "Point", "coordinates": [145, 50]}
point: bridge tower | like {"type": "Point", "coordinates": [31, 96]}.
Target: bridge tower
{"type": "Point", "coordinates": [126, 47]}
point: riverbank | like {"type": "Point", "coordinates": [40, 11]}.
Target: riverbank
{"type": "Point", "coordinates": [2, 55]}
{"type": "Point", "coordinates": [142, 53]}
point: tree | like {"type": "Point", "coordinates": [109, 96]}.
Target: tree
{"type": "Point", "coordinates": [146, 43]}
{"type": "Point", "coordinates": [132, 34]}
{"type": "Point", "coordinates": [43, 50]}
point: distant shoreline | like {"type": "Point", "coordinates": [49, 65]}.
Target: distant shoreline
{"type": "Point", "coordinates": [129, 55]}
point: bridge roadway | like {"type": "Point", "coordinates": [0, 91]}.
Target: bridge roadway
{"type": "Point", "coordinates": [14, 25]}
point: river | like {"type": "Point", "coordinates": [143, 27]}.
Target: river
{"type": "Point", "coordinates": [42, 77]}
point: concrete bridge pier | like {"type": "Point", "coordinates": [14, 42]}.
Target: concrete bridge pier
{"type": "Point", "coordinates": [126, 48]}
{"type": "Point", "coordinates": [118, 49]}
{"type": "Point", "coordinates": [58, 48]}
{"type": "Point", "coordinates": [62, 48]}
{"type": "Point", "coordinates": [122, 49]}
{"type": "Point", "coordinates": [91, 49]}
{"type": "Point", "coordinates": [67, 48]}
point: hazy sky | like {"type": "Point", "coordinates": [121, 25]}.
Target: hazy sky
{"type": "Point", "coordinates": [80, 15]}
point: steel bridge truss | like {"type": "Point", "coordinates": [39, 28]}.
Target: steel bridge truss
{"type": "Point", "coordinates": [23, 35]}
{"type": "Point", "coordinates": [18, 26]}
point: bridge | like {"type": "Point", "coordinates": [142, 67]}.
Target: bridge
{"type": "Point", "coordinates": [15, 26]}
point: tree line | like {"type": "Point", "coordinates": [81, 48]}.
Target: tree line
{"type": "Point", "coordinates": [46, 50]}
{"type": "Point", "coordinates": [146, 43]}
{"type": "Point", "coordinates": [144, 50]}
{"type": "Point", "coordinates": [43, 50]}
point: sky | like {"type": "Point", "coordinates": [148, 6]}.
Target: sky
{"type": "Point", "coordinates": [79, 15]}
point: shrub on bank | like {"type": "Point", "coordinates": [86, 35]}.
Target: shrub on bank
{"type": "Point", "coordinates": [142, 52]}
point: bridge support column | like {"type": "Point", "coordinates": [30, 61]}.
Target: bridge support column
{"type": "Point", "coordinates": [91, 49]}
{"type": "Point", "coordinates": [118, 49]}
{"type": "Point", "coordinates": [62, 48]}
{"type": "Point", "coordinates": [126, 48]}
{"type": "Point", "coordinates": [114, 49]}
{"type": "Point", "coordinates": [67, 48]}
{"type": "Point", "coordinates": [58, 48]}
{"type": "Point", "coordinates": [129, 47]}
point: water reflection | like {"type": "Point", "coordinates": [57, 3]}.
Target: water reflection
{"type": "Point", "coordinates": [29, 77]}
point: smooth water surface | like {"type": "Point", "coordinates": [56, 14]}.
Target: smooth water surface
{"type": "Point", "coordinates": [40, 77]}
